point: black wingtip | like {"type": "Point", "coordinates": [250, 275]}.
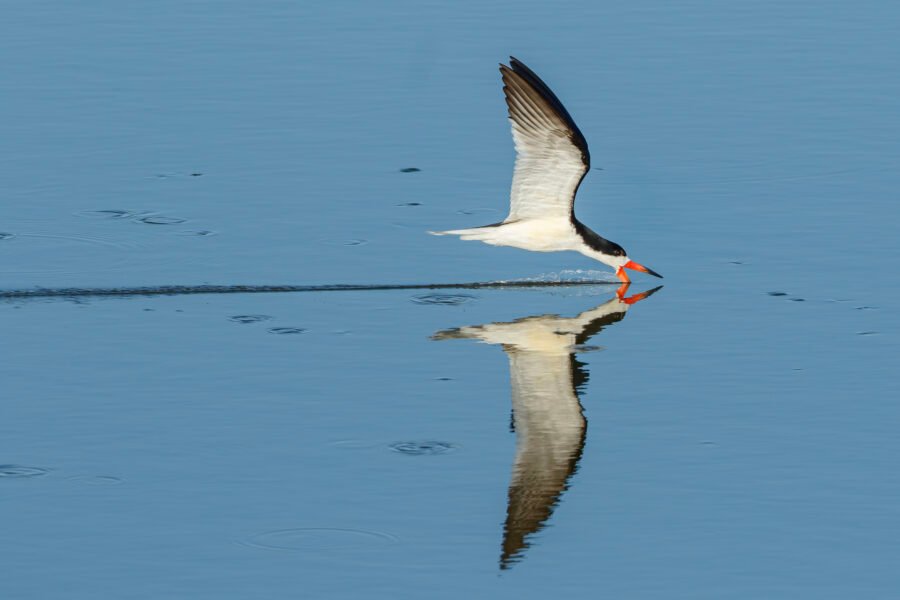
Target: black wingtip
{"type": "Point", "coordinates": [538, 85]}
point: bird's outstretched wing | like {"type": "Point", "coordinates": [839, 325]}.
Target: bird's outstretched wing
{"type": "Point", "coordinates": [551, 153]}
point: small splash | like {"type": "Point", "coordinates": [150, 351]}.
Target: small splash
{"type": "Point", "coordinates": [286, 330]}
{"type": "Point", "coordinates": [20, 472]}
{"type": "Point", "coordinates": [443, 299]}
{"type": "Point", "coordinates": [866, 308]}
{"type": "Point", "coordinates": [575, 275]}
{"type": "Point", "coordinates": [867, 333]}
{"type": "Point", "coordinates": [319, 539]}
{"type": "Point", "coordinates": [410, 170]}
{"type": "Point", "coordinates": [778, 293]}
{"type": "Point", "coordinates": [161, 220]}
{"type": "Point", "coordinates": [736, 262]}
{"type": "Point", "coordinates": [249, 318]}
{"type": "Point", "coordinates": [798, 299]}
{"type": "Point", "coordinates": [424, 448]}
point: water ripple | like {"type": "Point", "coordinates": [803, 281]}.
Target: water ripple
{"type": "Point", "coordinates": [20, 471]}
{"type": "Point", "coordinates": [319, 539]}
{"type": "Point", "coordinates": [88, 253]}
{"type": "Point", "coordinates": [249, 318]}
{"type": "Point", "coordinates": [443, 299]}
{"type": "Point", "coordinates": [286, 330]}
{"type": "Point", "coordinates": [161, 220]}
{"type": "Point", "coordinates": [423, 448]}
{"type": "Point", "coordinates": [112, 213]}
{"type": "Point", "coordinates": [196, 233]}
{"type": "Point", "coordinates": [96, 479]}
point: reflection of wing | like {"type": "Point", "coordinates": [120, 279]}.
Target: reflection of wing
{"type": "Point", "coordinates": [550, 434]}
{"type": "Point", "coordinates": [547, 415]}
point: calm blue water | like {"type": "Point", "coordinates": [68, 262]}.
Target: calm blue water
{"type": "Point", "coordinates": [735, 437]}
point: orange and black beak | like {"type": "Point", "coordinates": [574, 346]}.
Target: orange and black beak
{"type": "Point", "coordinates": [636, 267]}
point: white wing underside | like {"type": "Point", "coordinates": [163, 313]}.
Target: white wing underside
{"type": "Point", "coordinates": [548, 171]}
{"type": "Point", "coordinates": [549, 164]}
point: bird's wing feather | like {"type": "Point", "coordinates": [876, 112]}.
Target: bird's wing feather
{"type": "Point", "coordinates": [551, 153]}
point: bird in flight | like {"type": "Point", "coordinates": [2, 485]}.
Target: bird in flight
{"type": "Point", "coordinates": [551, 160]}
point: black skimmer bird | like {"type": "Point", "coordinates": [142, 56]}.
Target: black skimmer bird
{"type": "Point", "coordinates": [551, 160]}
{"type": "Point", "coordinates": [550, 427]}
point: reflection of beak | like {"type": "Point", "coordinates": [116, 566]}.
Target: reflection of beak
{"type": "Point", "coordinates": [620, 293]}
{"type": "Point", "coordinates": [636, 267]}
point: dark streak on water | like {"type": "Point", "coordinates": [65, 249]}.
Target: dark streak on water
{"type": "Point", "coordinates": [182, 290]}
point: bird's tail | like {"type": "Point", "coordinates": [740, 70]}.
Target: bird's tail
{"type": "Point", "coordinates": [486, 233]}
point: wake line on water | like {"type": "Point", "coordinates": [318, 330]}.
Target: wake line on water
{"type": "Point", "coordinates": [183, 290]}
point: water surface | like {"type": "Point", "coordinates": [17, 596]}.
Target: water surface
{"type": "Point", "coordinates": [732, 437]}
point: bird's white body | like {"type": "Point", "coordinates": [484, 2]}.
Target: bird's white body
{"type": "Point", "coordinates": [548, 234]}
{"type": "Point", "coordinates": [552, 234]}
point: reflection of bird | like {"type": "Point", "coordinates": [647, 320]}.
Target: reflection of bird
{"type": "Point", "coordinates": [551, 160]}
{"type": "Point", "coordinates": [547, 415]}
